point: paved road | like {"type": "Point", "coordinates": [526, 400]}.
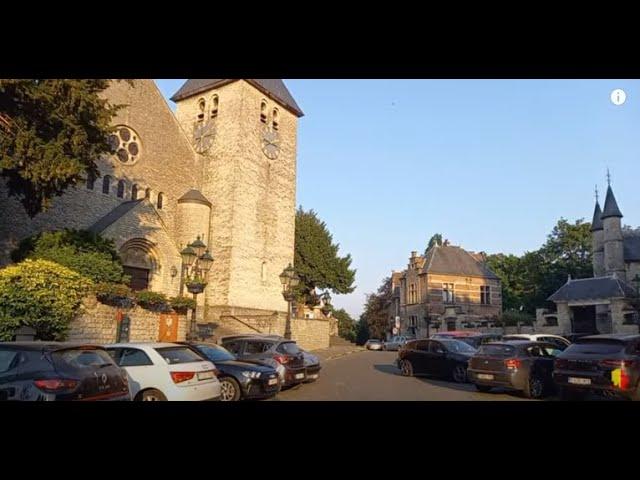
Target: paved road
{"type": "Point", "coordinates": [370, 375]}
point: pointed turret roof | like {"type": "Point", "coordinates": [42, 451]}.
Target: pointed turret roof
{"type": "Point", "coordinates": [610, 205]}
{"type": "Point", "coordinates": [596, 223]}
{"type": "Point", "coordinates": [272, 87]}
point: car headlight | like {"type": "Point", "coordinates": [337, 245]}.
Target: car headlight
{"type": "Point", "coordinates": [251, 374]}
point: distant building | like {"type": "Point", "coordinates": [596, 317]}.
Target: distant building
{"type": "Point", "coordinates": [605, 302]}
{"type": "Point", "coordinates": [448, 288]}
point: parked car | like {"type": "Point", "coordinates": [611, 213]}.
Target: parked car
{"type": "Point", "coordinates": [572, 337]}
{"type": "Point", "coordinates": [59, 371]}
{"type": "Point", "coordinates": [607, 364]}
{"type": "Point", "coordinates": [396, 342]}
{"type": "Point", "coordinates": [374, 344]}
{"type": "Point", "coordinates": [312, 367]}
{"type": "Point", "coordinates": [540, 337]}
{"type": "Point", "coordinates": [166, 371]}
{"type": "Point", "coordinates": [476, 340]}
{"type": "Point", "coordinates": [442, 357]}
{"type": "Point", "coordinates": [239, 380]}
{"type": "Point", "coordinates": [517, 365]}
{"type": "Point", "coordinates": [271, 350]}
{"type": "Point", "coordinates": [455, 334]}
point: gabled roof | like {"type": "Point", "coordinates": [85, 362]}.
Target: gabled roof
{"type": "Point", "coordinates": [272, 87]}
{"type": "Point", "coordinates": [596, 223]}
{"type": "Point", "coordinates": [114, 215]}
{"type": "Point", "coordinates": [592, 289]}
{"type": "Point", "coordinates": [456, 261]}
{"type": "Point", "coordinates": [195, 196]}
{"type": "Point", "coordinates": [610, 205]}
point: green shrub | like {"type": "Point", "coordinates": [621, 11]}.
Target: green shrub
{"type": "Point", "coordinates": [182, 304]}
{"type": "Point", "coordinates": [85, 252]}
{"type": "Point", "coordinates": [115, 294]}
{"type": "Point", "coordinates": [42, 295]}
{"type": "Point", "coordinates": [152, 300]}
{"type": "Point", "coordinates": [511, 318]}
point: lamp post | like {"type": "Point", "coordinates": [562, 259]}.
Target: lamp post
{"type": "Point", "coordinates": [196, 263]}
{"type": "Point", "coordinates": [289, 281]}
{"type": "Point", "coordinates": [326, 303]}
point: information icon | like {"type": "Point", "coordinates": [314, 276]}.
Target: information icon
{"type": "Point", "coordinates": [618, 97]}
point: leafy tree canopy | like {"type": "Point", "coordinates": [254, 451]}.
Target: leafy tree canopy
{"type": "Point", "coordinates": [347, 326]}
{"type": "Point", "coordinates": [376, 315]}
{"type": "Point", "coordinates": [435, 239]}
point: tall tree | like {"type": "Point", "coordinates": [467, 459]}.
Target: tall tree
{"type": "Point", "coordinates": [376, 314]}
{"type": "Point", "coordinates": [435, 239]}
{"type": "Point", "coordinates": [317, 262]}
{"type": "Point", "coordinates": [51, 133]}
{"type": "Point", "coordinates": [346, 324]}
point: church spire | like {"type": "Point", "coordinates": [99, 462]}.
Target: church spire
{"type": "Point", "coordinates": [596, 223]}
{"type": "Point", "coordinates": [610, 205]}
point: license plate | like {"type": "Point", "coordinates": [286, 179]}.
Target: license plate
{"type": "Point", "coordinates": [484, 376]}
{"type": "Point", "coordinates": [299, 375]}
{"type": "Point", "coordinates": [579, 381]}
{"type": "Point", "coordinates": [273, 381]}
{"type": "Point", "coordinates": [205, 375]}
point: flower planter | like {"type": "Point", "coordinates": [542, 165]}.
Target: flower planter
{"type": "Point", "coordinates": [196, 287]}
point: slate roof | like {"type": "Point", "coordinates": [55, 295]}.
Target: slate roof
{"type": "Point", "coordinates": [114, 215]}
{"type": "Point", "coordinates": [194, 195]}
{"type": "Point", "coordinates": [273, 87]}
{"type": "Point", "coordinates": [610, 205]}
{"type": "Point", "coordinates": [596, 223]}
{"type": "Point", "coordinates": [592, 289]}
{"type": "Point", "coordinates": [456, 261]}
{"type": "Point", "coordinates": [631, 248]}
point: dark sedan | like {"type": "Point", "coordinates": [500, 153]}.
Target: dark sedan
{"type": "Point", "coordinates": [285, 355]}
{"type": "Point", "coordinates": [606, 364]}
{"type": "Point", "coordinates": [53, 371]}
{"type": "Point", "coordinates": [442, 357]}
{"type": "Point", "coordinates": [239, 380]}
{"type": "Point", "coordinates": [312, 367]}
{"type": "Point", "coordinates": [515, 365]}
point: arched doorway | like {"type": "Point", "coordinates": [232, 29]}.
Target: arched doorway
{"type": "Point", "coordinates": [139, 263]}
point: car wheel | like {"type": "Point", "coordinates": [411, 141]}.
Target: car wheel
{"type": "Point", "coordinates": [152, 395]}
{"type": "Point", "coordinates": [459, 374]}
{"type": "Point", "coordinates": [483, 388]}
{"type": "Point", "coordinates": [534, 388]}
{"type": "Point", "coordinates": [229, 390]}
{"type": "Point", "coordinates": [406, 368]}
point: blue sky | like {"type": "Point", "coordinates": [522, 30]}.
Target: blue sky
{"type": "Point", "coordinates": [490, 164]}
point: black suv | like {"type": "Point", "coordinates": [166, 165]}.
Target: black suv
{"type": "Point", "coordinates": [283, 354]}
{"type": "Point", "coordinates": [58, 371]}
{"type": "Point", "coordinates": [606, 364]}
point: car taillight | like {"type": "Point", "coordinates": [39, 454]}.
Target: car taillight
{"type": "Point", "coordinates": [282, 359]}
{"type": "Point", "coordinates": [55, 384]}
{"type": "Point", "coordinates": [616, 363]}
{"type": "Point", "coordinates": [512, 363]}
{"type": "Point", "coordinates": [179, 377]}
{"type": "Point", "coordinates": [561, 363]}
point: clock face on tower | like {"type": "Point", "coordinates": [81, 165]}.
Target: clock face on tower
{"type": "Point", "coordinates": [203, 135]}
{"type": "Point", "coordinates": [271, 144]}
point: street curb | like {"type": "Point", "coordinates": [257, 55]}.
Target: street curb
{"type": "Point", "coordinates": [344, 354]}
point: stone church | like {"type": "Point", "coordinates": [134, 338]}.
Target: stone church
{"type": "Point", "coordinates": [605, 303]}
{"type": "Point", "coordinates": [222, 168]}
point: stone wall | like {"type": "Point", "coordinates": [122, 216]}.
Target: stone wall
{"type": "Point", "coordinates": [98, 323]}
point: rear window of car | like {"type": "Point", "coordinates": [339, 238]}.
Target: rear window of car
{"type": "Point", "coordinates": [497, 350]}
{"type": "Point", "coordinates": [176, 355]}
{"type": "Point", "coordinates": [8, 359]}
{"type": "Point", "coordinates": [83, 358]}
{"type": "Point", "coordinates": [216, 354]}
{"type": "Point", "coordinates": [595, 347]}
{"type": "Point", "coordinates": [290, 348]}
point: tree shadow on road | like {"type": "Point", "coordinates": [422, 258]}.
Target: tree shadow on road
{"type": "Point", "coordinates": [387, 368]}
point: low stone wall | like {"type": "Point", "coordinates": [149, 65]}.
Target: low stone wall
{"type": "Point", "coordinates": [98, 323]}
{"type": "Point", "coordinates": [310, 334]}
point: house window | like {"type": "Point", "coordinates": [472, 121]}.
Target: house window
{"type": "Point", "coordinates": [263, 112]}
{"type": "Point", "coordinates": [485, 295]}
{"type": "Point", "coordinates": [106, 184]}
{"type": "Point", "coordinates": [134, 192]}
{"type": "Point", "coordinates": [275, 119]}
{"type": "Point", "coordinates": [91, 180]}
{"type": "Point", "coordinates": [214, 106]}
{"type": "Point", "coordinates": [160, 200]}
{"type": "Point", "coordinates": [412, 293]}
{"type": "Point", "coordinates": [447, 293]}
{"type": "Point", "coordinates": [120, 189]}
{"type": "Point", "coordinates": [413, 321]}
{"type": "Point", "coordinates": [202, 105]}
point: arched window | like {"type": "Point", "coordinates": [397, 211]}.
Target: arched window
{"type": "Point", "coordinates": [214, 106]}
{"type": "Point", "coordinates": [106, 184]}
{"type": "Point", "coordinates": [134, 192]}
{"type": "Point", "coordinates": [147, 194]}
{"type": "Point", "coordinates": [263, 112]}
{"type": "Point", "coordinates": [202, 106]}
{"type": "Point", "coordinates": [91, 180]}
{"type": "Point", "coordinates": [120, 189]}
{"type": "Point", "coordinates": [160, 200]}
{"type": "Point", "coordinates": [275, 119]}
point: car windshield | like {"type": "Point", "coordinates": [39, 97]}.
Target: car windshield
{"type": "Point", "coordinates": [456, 346]}
{"type": "Point", "coordinates": [497, 350]}
{"type": "Point", "coordinates": [595, 347]}
{"type": "Point", "coordinates": [216, 353]}
{"type": "Point", "coordinates": [175, 355]}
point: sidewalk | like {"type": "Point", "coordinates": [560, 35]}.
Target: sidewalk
{"type": "Point", "coordinates": [337, 351]}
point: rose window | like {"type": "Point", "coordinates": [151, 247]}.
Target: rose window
{"type": "Point", "coordinates": [126, 144]}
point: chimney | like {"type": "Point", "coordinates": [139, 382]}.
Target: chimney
{"type": "Point", "coordinates": [414, 254]}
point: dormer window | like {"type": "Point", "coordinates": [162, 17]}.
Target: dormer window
{"type": "Point", "coordinates": [275, 119]}
{"type": "Point", "coordinates": [263, 112]}
{"type": "Point", "coordinates": [214, 106]}
{"type": "Point", "coordinates": [202, 106]}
